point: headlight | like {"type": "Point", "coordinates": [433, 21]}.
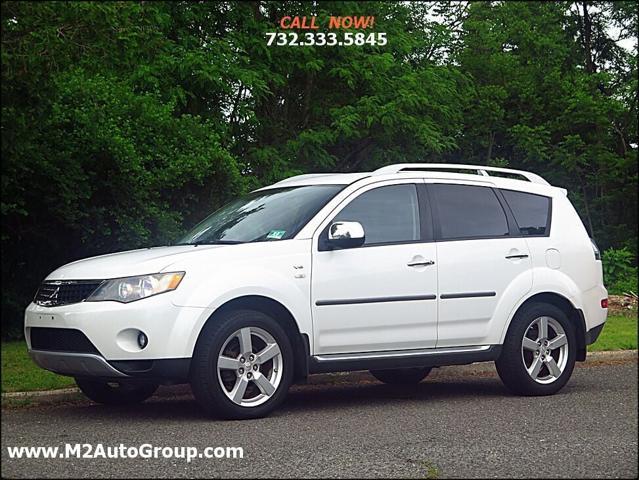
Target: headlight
{"type": "Point", "coordinates": [130, 289]}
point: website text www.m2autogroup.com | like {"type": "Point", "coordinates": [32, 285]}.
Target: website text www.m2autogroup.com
{"type": "Point", "coordinates": [99, 450]}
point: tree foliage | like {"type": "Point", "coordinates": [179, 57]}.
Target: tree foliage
{"type": "Point", "coordinates": [124, 123]}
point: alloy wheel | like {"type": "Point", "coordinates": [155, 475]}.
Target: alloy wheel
{"type": "Point", "coordinates": [544, 350]}
{"type": "Point", "coordinates": [249, 366]}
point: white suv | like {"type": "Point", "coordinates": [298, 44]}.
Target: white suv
{"type": "Point", "coordinates": [397, 271]}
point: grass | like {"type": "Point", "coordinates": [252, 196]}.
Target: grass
{"type": "Point", "coordinates": [430, 471]}
{"type": "Point", "coordinates": [620, 333]}
{"type": "Point", "coordinates": [20, 374]}
{"type": "Point", "coordinates": [16, 402]}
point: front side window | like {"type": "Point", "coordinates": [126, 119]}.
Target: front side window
{"type": "Point", "coordinates": [468, 211]}
{"type": "Point", "coordinates": [531, 212]}
{"type": "Point", "coordinates": [268, 215]}
{"type": "Point", "coordinates": [388, 214]}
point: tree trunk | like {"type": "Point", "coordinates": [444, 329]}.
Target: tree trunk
{"type": "Point", "coordinates": [356, 157]}
{"type": "Point", "coordinates": [308, 91]}
{"type": "Point", "coordinates": [587, 38]}
{"type": "Point", "coordinates": [587, 208]}
{"type": "Point", "coordinates": [491, 142]}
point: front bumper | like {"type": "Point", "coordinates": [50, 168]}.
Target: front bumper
{"type": "Point", "coordinates": [75, 364]}
{"type": "Point", "coordinates": [170, 370]}
{"type": "Point", "coordinates": [111, 327]}
{"type": "Point", "coordinates": [94, 339]}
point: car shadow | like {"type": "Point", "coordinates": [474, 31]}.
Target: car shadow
{"type": "Point", "coordinates": [371, 393]}
{"type": "Point", "coordinates": [304, 399]}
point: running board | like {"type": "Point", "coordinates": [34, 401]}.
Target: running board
{"type": "Point", "coordinates": [430, 357]}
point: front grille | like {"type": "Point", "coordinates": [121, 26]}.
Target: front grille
{"type": "Point", "coordinates": [64, 292]}
{"type": "Point", "coordinates": [61, 340]}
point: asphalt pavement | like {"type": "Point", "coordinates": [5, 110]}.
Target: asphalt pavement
{"type": "Point", "coordinates": [460, 422]}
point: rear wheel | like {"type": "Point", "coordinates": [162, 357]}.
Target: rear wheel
{"type": "Point", "coordinates": [539, 351]}
{"type": "Point", "coordinates": [115, 392]}
{"type": "Point", "coordinates": [401, 376]}
{"type": "Point", "coordinates": [242, 365]}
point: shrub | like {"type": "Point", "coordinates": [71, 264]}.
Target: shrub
{"type": "Point", "coordinates": [620, 271]}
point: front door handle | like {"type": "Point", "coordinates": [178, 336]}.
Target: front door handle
{"type": "Point", "coordinates": [423, 263]}
{"type": "Point", "coordinates": [523, 255]}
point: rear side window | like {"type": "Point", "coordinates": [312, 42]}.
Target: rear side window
{"type": "Point", "coordinates": [388, 214]}
{"type": "Point", "coordinates": [531, 212]}
{"type": "Point", "coordinates": [468, 211]}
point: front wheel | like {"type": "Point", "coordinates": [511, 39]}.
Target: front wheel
{"type": "Point", "coordinates": [242, 365]}
{"type": "Point", "coordinates": [539, 351]}
{"type": "Point", "coordinates": [401, 376]}
{"type": "Point", "coordinates": [114, 392]}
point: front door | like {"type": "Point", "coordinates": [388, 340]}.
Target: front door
{"type": "Point", "coordinates": [382, 295]}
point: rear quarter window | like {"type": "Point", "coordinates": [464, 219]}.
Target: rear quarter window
{"type": "Point", "coordinates": [468, 211]}
{"type": "Point", "coordinates": [532, 212]}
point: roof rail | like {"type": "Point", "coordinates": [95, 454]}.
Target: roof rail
{"type": "Point", "coordinates": [478, 169]}
{"type": "Point", "coordinates": [304, 176]}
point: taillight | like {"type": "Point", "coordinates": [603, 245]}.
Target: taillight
{"type": "Point", "coordinates": [595, 249]}
{"type": "Point", "coordinates": [604, 303]}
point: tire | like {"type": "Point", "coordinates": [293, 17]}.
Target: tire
{"type": "Point", "coordinates": [401, 376]}
{"type": "Point", "coordinates": [218, 390]}
{"type": "Point", "coordinates": [517, 364]}
{"type": "Point", "coordinates": [115, 393]}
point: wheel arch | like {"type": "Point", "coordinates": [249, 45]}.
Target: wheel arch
{"type": "Point", "coordinates": [574, 314]}
{"type": "Point", "coordinates": [277, 311]}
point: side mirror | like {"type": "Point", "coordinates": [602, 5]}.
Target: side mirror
{"type": "Point", "coordinates": [346, 234]}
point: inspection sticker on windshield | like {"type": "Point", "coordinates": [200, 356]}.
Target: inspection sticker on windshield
{"type": "Point", "coordinates": [276, 234]}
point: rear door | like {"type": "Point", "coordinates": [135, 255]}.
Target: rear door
{"type": "Point", "coordinates": [483, 262]}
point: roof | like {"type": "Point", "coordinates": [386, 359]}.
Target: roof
{"type": "Point", "coordinates": [504, 177]}
{"type": "Point", "coordinates": [320, 179]}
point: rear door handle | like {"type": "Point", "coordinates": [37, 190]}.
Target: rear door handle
{"type": "Point", "coordinates": [523, 255]}
{"type": "Point", "coordinates": [424, 263]}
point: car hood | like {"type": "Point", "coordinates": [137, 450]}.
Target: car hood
{"type": "Point", "coordinates": [133, 262]}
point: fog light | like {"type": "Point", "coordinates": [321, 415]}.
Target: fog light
{"type": "Point", "coordinates": [142, 340]}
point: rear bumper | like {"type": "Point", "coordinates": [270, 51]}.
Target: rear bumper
{"type": "Point", "coordinates": [594, 315]}
{"type": "Point", "coordinates": [593, 334]}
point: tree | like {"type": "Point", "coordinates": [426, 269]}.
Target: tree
{"type": "Point", "coordinates": [125, 123]}
{"type": "Point", "coordinates": [556, 94]}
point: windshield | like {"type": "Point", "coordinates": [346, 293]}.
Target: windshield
{"type": "Point", "coordinates": [274, 214]}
